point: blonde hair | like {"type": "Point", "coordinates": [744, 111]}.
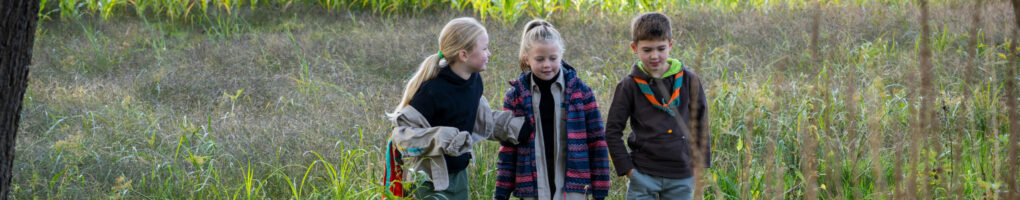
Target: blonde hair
{"type": "Point", "coordinates": [538, 30]}
{"type": "Point", "coordinates": [458, 34]}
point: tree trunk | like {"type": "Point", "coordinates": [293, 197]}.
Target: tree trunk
{"type": "Point", "coordinates": [1011, 103]}
{"type": "Point", "coordinates": [17, 36]}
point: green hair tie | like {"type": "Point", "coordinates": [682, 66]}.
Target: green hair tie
{"type": "Point", "coordinates": [440, 54]}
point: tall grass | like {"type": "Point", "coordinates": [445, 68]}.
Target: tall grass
{"type": "Point", "coordinates": [972, 60]}
{"type": "Point", "coordinates": [1012, 103]}
{"type": "Point", "coordinates": [807, 137]}
{"type": "Point", "coordinates": [806, 100]}
{"type": "Point", "coordinates": [504, 11]}
{"type": "Point", "coordinates": [924, 122]}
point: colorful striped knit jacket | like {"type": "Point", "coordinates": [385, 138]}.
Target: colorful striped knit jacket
{"type": "Point", "coordinates": [587, 163]}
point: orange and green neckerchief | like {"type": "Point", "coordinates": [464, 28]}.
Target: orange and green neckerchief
{"type": "Point", "coordinates": [675, 70]}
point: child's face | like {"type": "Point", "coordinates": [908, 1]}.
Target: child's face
{"type": "Point", "coordinates": [478, 57]}
{"type": "Point", "coordinates": [653, 53]}
{"type": "Point", "coordinates": [544, 60]}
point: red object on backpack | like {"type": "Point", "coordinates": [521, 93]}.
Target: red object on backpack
{"type": "Point", "coordinates": [394, 172]}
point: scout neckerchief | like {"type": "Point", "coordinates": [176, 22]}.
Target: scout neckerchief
{"type": "Point", "coordinates": [673, 99]}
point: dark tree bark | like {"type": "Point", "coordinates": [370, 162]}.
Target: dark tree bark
{"type": "Point", "coordinates": [17, 36]}
{"type": "Point", "coordinates": [1011, 102]}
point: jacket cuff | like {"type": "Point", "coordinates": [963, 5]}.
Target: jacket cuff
{"type": "Point", "coordinates": [516, 126]}
{"type": "Point", "coordinates": [458, 144]}
{"type": "Point", "coordinates": [623, 165]}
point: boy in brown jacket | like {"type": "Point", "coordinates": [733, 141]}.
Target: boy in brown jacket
{"type": "Point", "coordinates": [668, 114]}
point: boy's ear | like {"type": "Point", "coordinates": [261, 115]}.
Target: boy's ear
{"type": "Point", "coordinates": [671, 43]}
{"type": "Point", "coordinates": [633, 46]}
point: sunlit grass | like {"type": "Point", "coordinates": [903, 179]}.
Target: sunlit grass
{"type": "Point", "coordinates": [238, 100]}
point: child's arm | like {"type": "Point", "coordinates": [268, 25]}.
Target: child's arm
{"type": "Point", "coordinates": [619, 112]}
{"type": "Point", "coordinates": [413, 136]}
{"type": "Point", "coordinates": [506, 165]}
{"type": "Point", "coordinates": [496, 125]}
{"type": "Point", "coordinates": [699, 120]}
{"type": "Point", "coordinates": [598, 153]}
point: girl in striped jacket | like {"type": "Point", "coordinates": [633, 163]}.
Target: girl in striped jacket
{"type": "Point", "coordinates": [565, 157]}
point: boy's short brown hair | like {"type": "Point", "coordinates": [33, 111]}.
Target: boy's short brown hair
{"type": "Point", "coordinates": [650, 26]}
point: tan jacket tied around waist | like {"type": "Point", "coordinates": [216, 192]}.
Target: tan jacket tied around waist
{"type": "Point", "coordinates": [423, 146]}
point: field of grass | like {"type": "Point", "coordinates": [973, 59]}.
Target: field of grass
{"type": "Point", "coordinates": [285, 99]}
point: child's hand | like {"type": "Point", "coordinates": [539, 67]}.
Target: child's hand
{"type": "Point", "coordinates": [630, 173]}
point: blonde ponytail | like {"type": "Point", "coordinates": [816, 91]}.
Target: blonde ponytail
{"type": "Point", "coordinates": [458, 35]}
{"type": "Point", "coordinates": [427, 70]}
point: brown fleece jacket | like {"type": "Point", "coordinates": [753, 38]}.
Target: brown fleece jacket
{"type": "Point", "coordinates": [660, 144]}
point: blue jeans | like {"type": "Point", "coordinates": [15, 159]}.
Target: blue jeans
{"type": "Point", "coordinates": [643, 186]}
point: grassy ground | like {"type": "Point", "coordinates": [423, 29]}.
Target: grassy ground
{"type": "Point", "coordinates": [290, 103]}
